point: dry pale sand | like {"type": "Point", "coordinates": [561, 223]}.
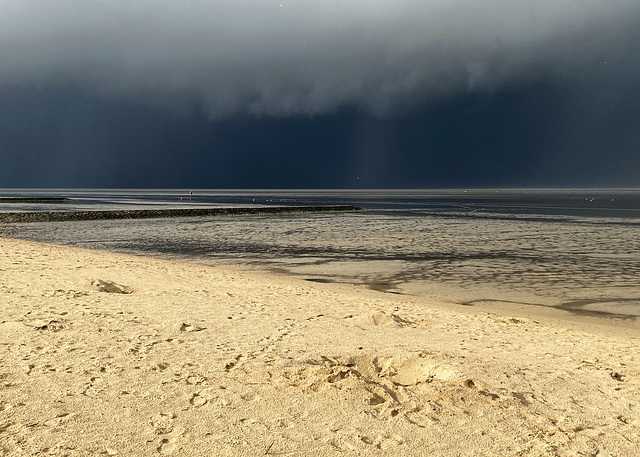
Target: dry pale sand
{"type": "Point", "coordinates": [203, 361]}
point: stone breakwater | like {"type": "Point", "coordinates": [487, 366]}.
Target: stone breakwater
{"type": "Point", "coordinates": [34, 200]}
{"type": "Point", "coordinates": [62, 216]}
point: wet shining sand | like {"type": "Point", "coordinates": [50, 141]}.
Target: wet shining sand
{"type": "Point", "coordinates": [587, 266]}
{"type": "Point", "coordinates": [112, 354]}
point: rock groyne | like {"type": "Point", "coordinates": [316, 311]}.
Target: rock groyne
{"type": "Point", "coordinates": [63, 216]}
{"type": "Point", "coordinates": [34, 200]}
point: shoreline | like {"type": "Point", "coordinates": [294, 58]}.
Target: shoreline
{"type": "Point", "coordinates": [201, 360]}
{"type": "Point", "coordinates": [452, 298]}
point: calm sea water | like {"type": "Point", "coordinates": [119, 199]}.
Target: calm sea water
{"type": "Point", "coordinates": [577, 249]}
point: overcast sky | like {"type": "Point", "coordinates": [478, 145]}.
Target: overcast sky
{"type": "Point", "coordinates": [299, 93]}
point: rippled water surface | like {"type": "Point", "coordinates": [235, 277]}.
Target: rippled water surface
{"type": "Point", "coordinates": [578, 250]}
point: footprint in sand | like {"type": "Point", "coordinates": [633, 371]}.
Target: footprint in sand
{"type": "Point", "coordinates": [163, 423]}
{"type": "Point", "coordinates": [208, 395]}
{"type": "Point", "coordinates": [167, 446]}
{"type": "Point", "coordinates": [95, 386]}
{"type": "Point", "coordinates": [198, 400]}
{"type": "Point", "coordinates": [383, 442]}
{"type": "Point", "coordinates": [233, 363]}
{"type": "Point", "coordinates": [341, 445]}
{"type": "Point", "coordinates": [250, 396]}
{"type": "Point", "coordinates": [4, 427]}
{"type": "Point", "coordinates": [55, 421]}
{"type": "Point", "coordinates": [195, 380]}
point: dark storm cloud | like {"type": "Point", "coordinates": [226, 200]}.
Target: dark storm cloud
{"type": "Point", "coordinates": [289, 57]}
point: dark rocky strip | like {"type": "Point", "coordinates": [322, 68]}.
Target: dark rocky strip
{"type": "Point", "coordinates": [34, 200]}
{"type": "Point", "coordinates": [61, 216]}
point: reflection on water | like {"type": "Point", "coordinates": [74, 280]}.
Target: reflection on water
{"type": "Point", "coordinates": [550, 250]}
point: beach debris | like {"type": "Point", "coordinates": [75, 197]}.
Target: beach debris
{"type": "Point", "coordinates": [49, 324]}
{"type": "Point", "coordinates": [110, 287]}
{"type": "Point", "coordinates": [191, 328]}
{"type": "Point", "coordinates": [617, 376]}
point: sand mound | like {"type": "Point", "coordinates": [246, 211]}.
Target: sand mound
{"type": "Point", "coordinates": [110, 287]}
{"type": "Point", "coordinates": [383, 319]}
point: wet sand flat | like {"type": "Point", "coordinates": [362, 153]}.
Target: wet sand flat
{"type": "Point", "coordinates": [589, 266]}
{"type": "Point", "coordinates": [111, 354]}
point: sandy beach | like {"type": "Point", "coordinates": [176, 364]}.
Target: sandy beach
{"type": "Point", "coordinates": [113, 354]}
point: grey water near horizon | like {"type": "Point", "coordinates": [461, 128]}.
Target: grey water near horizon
{"type": "Point", "coordinates": [576, 249]}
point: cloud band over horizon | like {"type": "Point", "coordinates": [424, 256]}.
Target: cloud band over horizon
{"type": "Point", "coordinates": [294, 57]}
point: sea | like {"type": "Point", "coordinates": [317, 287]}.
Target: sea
{"type": "Point", "coordinates": [574, 249]}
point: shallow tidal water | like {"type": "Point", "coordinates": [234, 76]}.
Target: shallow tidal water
{"type": "Point", "coordinates": [578, 250]}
